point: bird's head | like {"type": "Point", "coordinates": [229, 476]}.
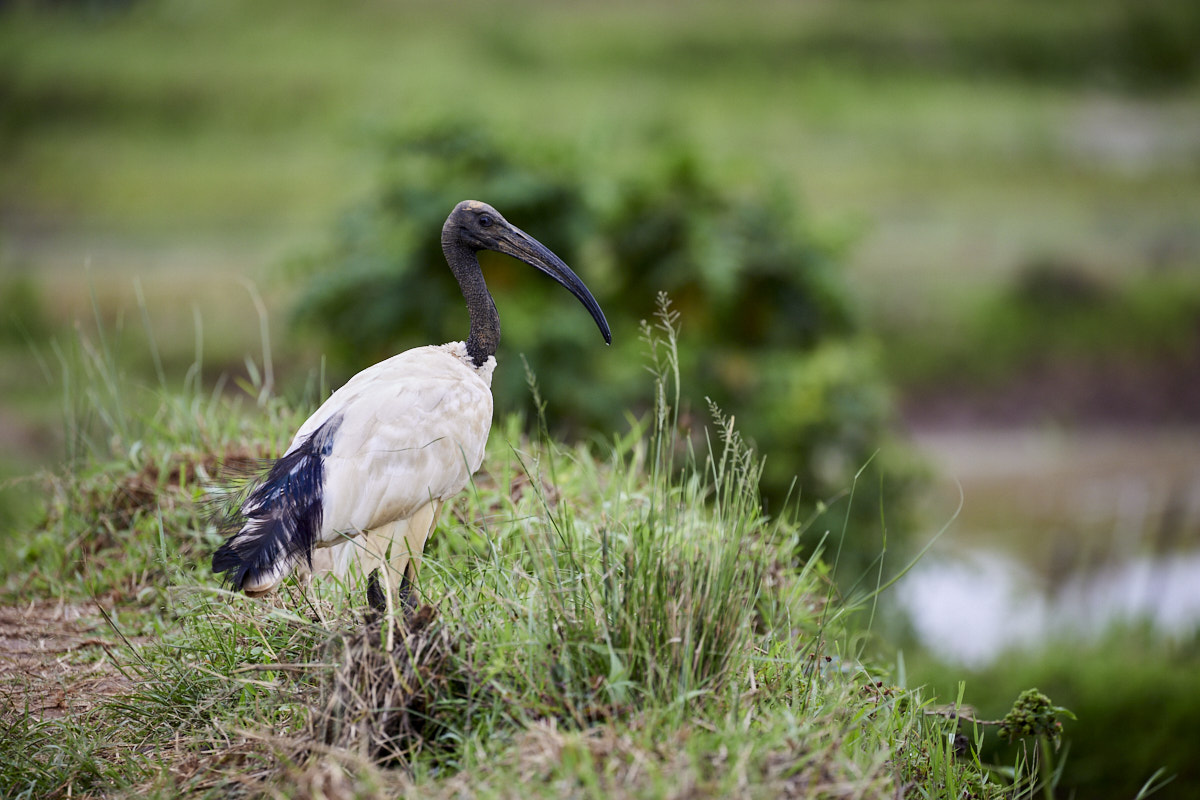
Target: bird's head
{"type": "Point", "coordinates": [478, 226]}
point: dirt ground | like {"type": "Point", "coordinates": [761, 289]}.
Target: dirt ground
{"type": "Point", "coordinates": [56, 659]}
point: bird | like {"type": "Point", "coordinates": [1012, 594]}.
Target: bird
{"type": "Point", "coordinates": [364, 478]}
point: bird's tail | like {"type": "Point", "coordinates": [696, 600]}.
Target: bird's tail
{"type": "Point", "coordinates": [258, 557]}
{"type": "Point", "coordinates": [280, 521]}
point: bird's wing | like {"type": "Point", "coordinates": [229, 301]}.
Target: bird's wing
{"type": "Point", "coordinates": [413, 429]}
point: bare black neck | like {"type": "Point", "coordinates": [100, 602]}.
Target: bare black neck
{"type": "Point", "coordinates": [485, 321]}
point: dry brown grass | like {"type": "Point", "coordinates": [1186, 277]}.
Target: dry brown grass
{"type": "Point", "coordinates": [378, 701]}
{"type": "Point", "coordinates": [55, 660]}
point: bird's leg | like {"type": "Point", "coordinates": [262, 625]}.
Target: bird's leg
{"type": "Point", "coordinates": [376, 596]}
{"type": "Point", "coordinates": [408, 595]}
{"type": "Point", "coordinates": [379, 598]}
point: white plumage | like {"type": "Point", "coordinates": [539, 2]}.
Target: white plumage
{"type": "Point", "coordinates": [414, 433]}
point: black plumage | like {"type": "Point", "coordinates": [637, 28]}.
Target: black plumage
{"type": "Point", "coordinates": [281, 519]}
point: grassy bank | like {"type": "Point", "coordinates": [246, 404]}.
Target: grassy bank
{"type": "Point", "coordinates": [615, 620]}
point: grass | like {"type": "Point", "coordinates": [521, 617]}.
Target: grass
{"type": "Point", "coordinates": [614, 620]}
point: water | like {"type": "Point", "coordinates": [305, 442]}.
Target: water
{"type": "Point", "coordinates": [971, 609]}
{"type": "Point", "coordinates": [1060, 535]}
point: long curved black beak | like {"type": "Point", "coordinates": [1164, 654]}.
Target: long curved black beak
{"type": "Point", "coordinates": [520, 245]}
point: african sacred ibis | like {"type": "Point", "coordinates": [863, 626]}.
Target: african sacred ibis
{"type": "Point", "coordinates": [366, 475]}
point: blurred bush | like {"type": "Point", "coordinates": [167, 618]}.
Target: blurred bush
{"type": "Point", "coordinates": [1062, 343]}
{"type": "Point", "coordinates": [23, 317]}
{"type": "Point", "coordinates": [1057, 310]}
{"type": "Point", "coordinates": [769, 331]}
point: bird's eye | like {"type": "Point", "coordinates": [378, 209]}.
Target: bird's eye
{"type": "Point", "coordinates": [485, 221]}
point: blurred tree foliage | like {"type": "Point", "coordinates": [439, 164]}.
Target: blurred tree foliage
{"type": "Point", "coordinates": [769, 331]}
{"type": "Point", "coordinates": [1063, 342]}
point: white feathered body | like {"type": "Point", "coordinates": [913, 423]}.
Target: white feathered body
{"type": "Point", "coordinates": [412, 432]}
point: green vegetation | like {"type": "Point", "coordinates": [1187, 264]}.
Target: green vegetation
{"type": "Point", "coordinates": [1131, 692]}
{"type": "Point", "coordinates": [1056, 313]}
{"type": "Point", "coordinates": [602, 623]}
{"type": "Point", "coordinates": [1058, 316]}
